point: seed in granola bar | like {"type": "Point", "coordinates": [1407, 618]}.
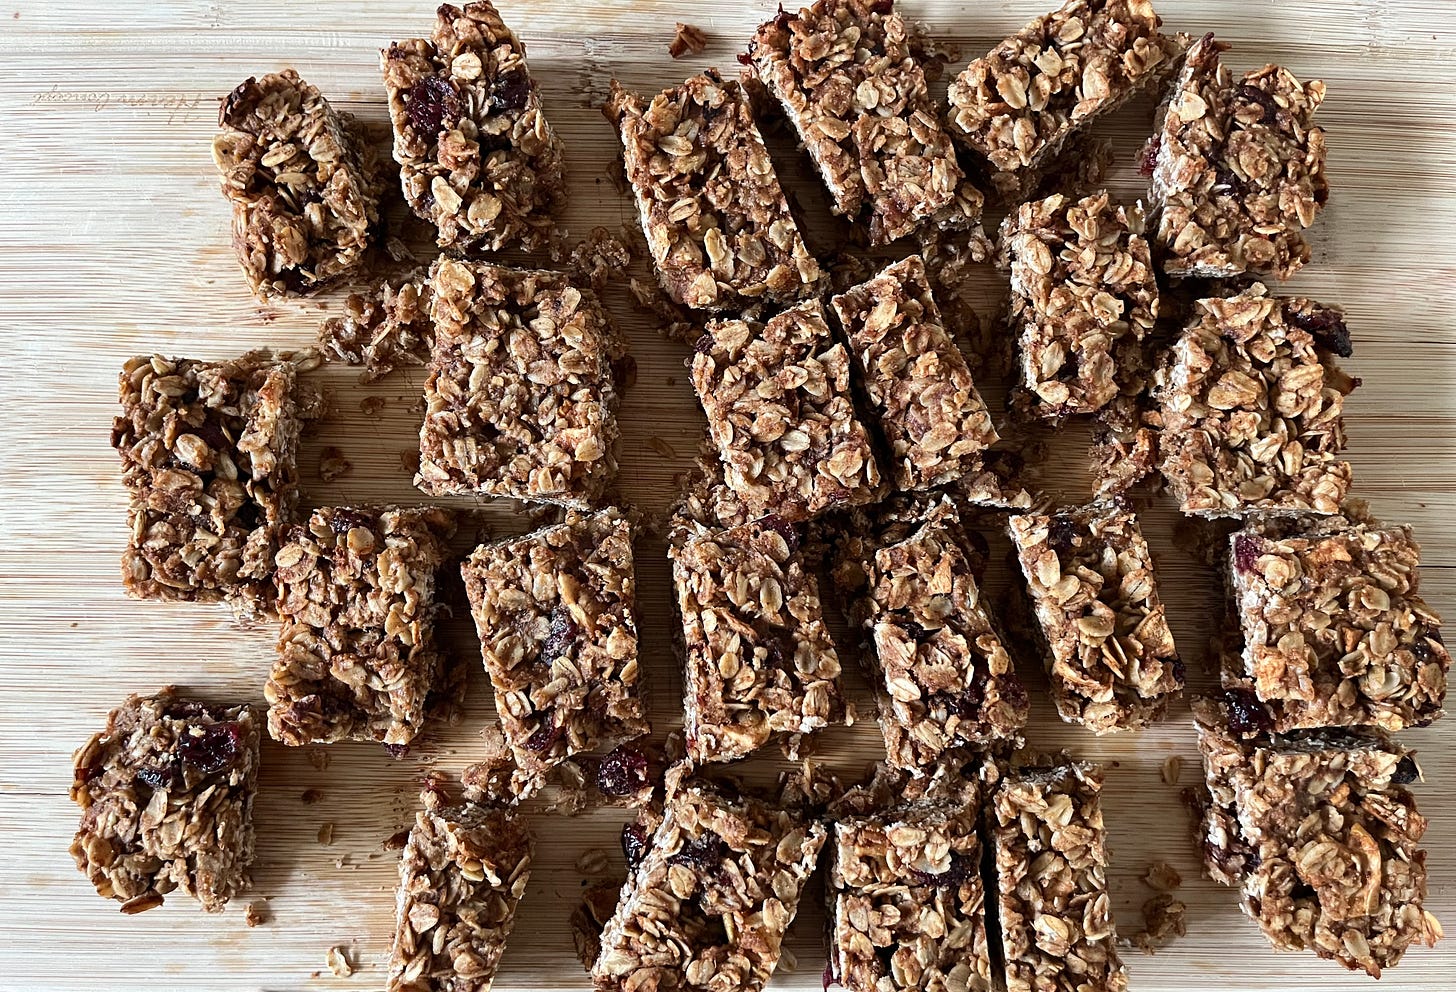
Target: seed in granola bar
{"type": "Point", "coordinates": [622, 772]}
{"type": "Point", "coordinates": [432, 102]}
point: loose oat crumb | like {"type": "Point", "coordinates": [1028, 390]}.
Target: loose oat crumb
{"type": "Point", "coordinates": [1164, 919]}
{"type": "Point", "coordinates": [333, 465]}
{"type": "Point", "coordinates": [256, 914]}
{"type": "Point", "coordinates": [660, 446]}
{"type": "Point", "coordinates": [396, 840]}
{"type": "Point", "coordinates": [689, 40]}
{"type": "Point", "coordinates": [338, 961]}
{"type": "Point", "coordinates": [593, 862]}
{"type": "Point", "coordinates": [788, 962]}
{"type": "Point", "coordinates": [1162, 876]}
{"type": "Point", "coordinates": [371, 406]}
{"type": "Point", "coordinates": [311, 796]}
{"type": "Point", "coordinates": [1172, 769]}
{"type": "Point", "coordinates": [319, 758]}
{"type": "Point", "coordinates": [326, 834]}
{"type": "Point", "coordinates": [409, 460]}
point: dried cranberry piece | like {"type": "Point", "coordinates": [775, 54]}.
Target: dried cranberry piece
{"type": "Point", "coordinates": [214, 749]}
{"type": "Point", "coordinates": [1422, 648]}
{"type": "Point", "coordinates": [744, 58]}
{"type": "Point", "coordinates": [968, 704]}
{"type": "Point", "coordinates": [1147, 157]}
{"type": "Point", "coordinates": [704, 345]}
{"type": "Point", "coordinates": [1180, 670]}
{"type": "Point", "coordinates": [546, 735]}
{"type": "Point", "coordinates": [960, 869]}
{"type": "Point", "coordinates": [344, 520]}
{"type": "Point", "coordinates": [1326, 325]}
{"type": "Point", "coordinates": [913, 630]}
{"type": "Point", "coordinates": [1406, 771]}
{"type": "Point", "coordinates": [158, 776]}
{"type": "Point", "coordinates": [1247, 716]}
{"type": "Point", "coordinates": [634, 843]}
{"type": "Point", "coordinates": [397, 751]}
{"type": "Point", "coordinates": [431, 102]}
{"type": "Point", "coordinates": [1229, 180]}
{"type": "Point", "coordinates": [211, 431]}
{"type": "Point", "coordinates": [783, 529]}
{"type": "Point", "coordinates": [510, 92]}
{"type": "Point", "coordinates": [705, 853]}
{"type": "Point", "coordinates": [623, 772]}
{"type": "Point", "coordinates": [775, 649]}
{"type": "Point", "coordinates": [1062, 535]}
{"type": "Point", "coordinates": [1246, 552]}
{"type": "Point", "coordinates": [783, 19]}
{"type": "Point", "coordinates": [830, 978]}
{"type": "Point", "coordinates": [562, 635]}
{"type": "Point", "coordinates": [882, 6]}
{"type": "Point", "coordinates": [1252, 94]}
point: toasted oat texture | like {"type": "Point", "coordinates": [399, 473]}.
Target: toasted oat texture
{"type": "Point", "coordinates": [477, 157]}
{"type": "Point", "coordinates": [1319, 834]}
{"type": "Point", "coordinates": [556, 613]}
{"type": "Point", "coordinates": [1110, 654]}
{"type": "Point", "coordinates": [1335, 632]}
{"type": "Point", "coordinates": [716, 220]}
{"type": "Point", "coordinates": [906, 904]}
{"type": "Point", "coordinates": [521, 398]}
{"type": "Point", "coordinates": [303, 183]}
{"type": "Point", "coordinates": [758, 658]}
{"type": "Point", "coordinates": [934, 422]}
{"type": "Point", "coordinates": [850, 80]}
{"type": "Point", "coordinates": [687, 40]}
{"type": "Point", "coordinates": [1019, 104]}
{"type": "Point", "coordinates": [1057, 930]}
{"type": "Point", "coordinates": [208, 455]}
{"type": "Point", "coordinates": [1083, 298]}
{"type": "Point", "coordinates": [462, 874]}
{"type": "Point", "coordinates": [707, 907]}
{"type": "Point", "coordinates": [779, 408]}
{"type": "Point", "coordinates": [1251, 402]}
{"type": "Point", "coordinates": [385, 330]}
{"type": "Point", "coordinates": [356, 652]}
{"type": "Point", "coordinates": [1238, 169]}
{"type": "Point", "coordinates": [166, 793]}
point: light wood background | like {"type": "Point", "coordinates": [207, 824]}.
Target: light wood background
{"type": "Point", "coordinates": [113, 241]}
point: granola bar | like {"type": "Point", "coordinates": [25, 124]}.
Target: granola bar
{"type": "Point", "coordinates": [1238, 169]}
{"type": "Point", "coordinates": [166, 793]}
{"type": "Point", "coordinates": [906, 904]}
{"type": "Point", "coordinates": [461, 876]}
{"type": "Point", "coordinates": [1251, 400]}
{"type": "Point", "coordinates": [758, 658]}
{"type": "Point", "coordinates": [521, 398]}
{"type": "Point", "coordinates": [555, 610]}
{"type": "Point", "coordinates": [1319, 834]}
{"type": "Point", "coordinates": [208, 455]}
{"type": "Point", "coordinates": [356, 651]}
{"type": "Point", "coordinates": [477, 157]}
{"type": "Point", "coordinates": [933, 420]}
{"type": "Point", "coordinates": [1057, 931]}
{"type": "Point", "coordinates": [1110, 654]}
{"type": "Point", "coordinates": [779, 408]}
{"type": "Point", "coordinates": [385, 330]}
{"type": "Point", "coordinates": [1335, 633]}
{"type": "Point", "coordinates": [303, 184]}
{"type": "Point", "coordinates": [709, 903]}
{"type": "Point", "coordinates": [1083, 298]}
{"type": "Point", "coordinates": [1019, 104]}
{"type": "Point", "coordinates": [851, 82]}
{"type": "Point", "coordinates": [716, 220]}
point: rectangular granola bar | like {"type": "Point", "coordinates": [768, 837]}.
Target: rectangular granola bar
{"type": "Point", "coordinates": [850, 82]}
{"type": "Point", "coordinates": [758, 658]}
{"type": "Point", "coordinates": [1020, 103]}
{"type": "Point", "coordinates": [356, 651]}
{"type": "Point", "coordinates": [1251, 401]}
{"type": "Point", "coordinates": [906, 904]}
{"type": "Point", "coordinates": [1335, 633]}
{"type": "Point", "coordinates": [708, 905]}
{"type": "Point", "coordinates": [933, 420]}
{"type": "Point", "coordinates": [1110, 654]}
{"type": "Point", "coordinates": [521, 397]}
{"type": "Point", "coordinates": [1057, 930]}
{"type": "Point", "coordinates": [477, 157]}
{"type": "Point", "coordinates": [716, 220]}
{"type": "Point", "coordinates": [1238, 169]}
{"type": "Point", "coordinates": [303, 183]}
{"type": "Point", "coordinates": [556, 613]}
{"type": "Point", "coordinates": [1318, 832]}
{"type": "Point", "coordinates": [1084, 296]}
{"type": "Point", "coordinates": [208, 455]}
{"type": "Point", "coordinates": [166, 793]}
{"type": "Point", "coordinates": [461, 876]}
{"type": "Point", "coordinates": [779, 408]}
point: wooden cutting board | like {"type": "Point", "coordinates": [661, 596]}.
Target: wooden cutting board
{"type": "Point", "coordinates": [114, 241]}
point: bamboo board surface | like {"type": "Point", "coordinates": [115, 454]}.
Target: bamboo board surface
{"type": "Point", "coordinates": [114, 241]}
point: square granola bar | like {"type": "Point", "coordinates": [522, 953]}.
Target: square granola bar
{"type": "Point", "coordinates": [907, 908]}
{"type": "Point", "coordinates": [1335, 633]}
{"type": "Point", "coordinates": [850, 81]}
{"type": "Point", "coordinates": [1318, 832]}
{"type": "Point", "coordinates": [716, 220]}
{"type": "Point", "coordinates": [208, 454]}
{"type": "Point", "coordinates": [1084, 296]}
{"type": "Point", "coordinates": [779, 408]}
{"type": "Point", "coordinates": [477, 157]}
{"type": "Point", "coordinates": [461, 876]}
{"type": "Point", "coordinates": [1057, 930]}
{"type": "Point", "coordinates": [1251, 401]}
{"type": "Point", "coordinates": [166, 792]}
{"type": "Point", "coordinates": [1110, 654]}
{"type": "Point", "coordinates": [521, 397]}
{"type": "Point", "coordinates": [933, 420]}
{"type": "Point", "coordinates": [356, 651]}
{"type": "Point", "coordinates": [556, 613]}
{"type": "Point", "coordinates": [1238, 169]}
{"type": "Point", "coordinates": [1020, 103]}
{"type": "Point", "coordinates": [758, 658]}
{"type": "Point", "coordinates": [708, 905]}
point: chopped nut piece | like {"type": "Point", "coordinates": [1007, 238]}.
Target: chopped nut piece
{"type": "Point", "coordinates": [383, 331]}
{"type": "Point", "coordinates": [688, 40]}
